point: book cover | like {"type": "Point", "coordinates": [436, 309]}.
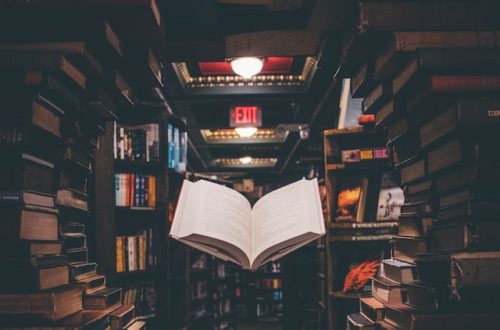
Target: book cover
{"type": "Point", "coordinates": [351, 199]}
{"type": "Point", "coordinates": [390, 199]}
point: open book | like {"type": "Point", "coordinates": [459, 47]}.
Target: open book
{"type": "Point", "coordinates": [221, 222]}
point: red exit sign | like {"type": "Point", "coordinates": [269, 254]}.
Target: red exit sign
{"type": "Point", "coordinates": [245, 116]}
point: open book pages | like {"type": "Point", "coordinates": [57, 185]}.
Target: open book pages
{"type": "Point", "coordinates": [220, 221]}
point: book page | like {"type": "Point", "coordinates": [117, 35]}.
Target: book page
{"type": "Point", "coordinates": [286, 213]}
{"type": "Point", "coordinates": [216, 211]}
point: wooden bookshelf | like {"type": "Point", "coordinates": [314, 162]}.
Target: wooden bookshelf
{"type": "Point", "coordinates": [351, 241]}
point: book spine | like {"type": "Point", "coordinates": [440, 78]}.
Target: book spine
{"type": "Point", "coordinates": [146, 190]}
{"type": "Point", "coordinates": [119, 255]}
{"type": "Point", "coordinates": [131, 253]}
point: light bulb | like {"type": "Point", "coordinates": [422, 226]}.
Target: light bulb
{"type": "Point", "coordinates": [246, 160]}
{"type": "Point", "coordinates": [247, 67]}
{"type": "Point", "coordinates": [246, 132]}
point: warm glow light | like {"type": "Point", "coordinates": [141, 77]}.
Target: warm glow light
{"type": "Point", "coordinates": [247, 67]}
{"type": "Point", "coordinates": [245, 132]}
{"type": "Point", "coordinates": [246, 160]}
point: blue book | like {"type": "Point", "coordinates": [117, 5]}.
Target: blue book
{"type": "Point", "coordinates": [170, 141]}
{"type": "Point", "coordinates": [177, 149]}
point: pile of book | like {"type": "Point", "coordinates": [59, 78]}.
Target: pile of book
{"type": "Point", "coordinates": [434, 92]}
{"type": "Point", "coordinates": [60, 85]}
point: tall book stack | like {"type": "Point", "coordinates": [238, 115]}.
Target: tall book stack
{"type": "Point", "coordinates": [434, 92]}
{"type": "Point", "coordinates": [59, 87]}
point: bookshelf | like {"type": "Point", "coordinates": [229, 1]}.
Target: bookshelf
{"type": "Point", "coordinates": [355, 162]}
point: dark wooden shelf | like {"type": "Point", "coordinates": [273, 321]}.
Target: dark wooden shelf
{"type": "Point", "coordinates": [138, 166]}
{"type": "Point", "coordinates": [363, 225]}
{"type": "Point", "coordinates": [364, 238]}
{"type": "Point", "coordinates": [367, 165]}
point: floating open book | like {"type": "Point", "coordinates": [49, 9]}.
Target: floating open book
{"type": "Point", "coordinates": [220, 221]}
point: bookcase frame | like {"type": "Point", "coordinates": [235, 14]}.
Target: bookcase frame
{"type": "Point", "coordinates": [337, 303]}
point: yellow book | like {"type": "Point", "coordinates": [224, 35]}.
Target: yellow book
{"type": "Point", "coordinates": [119, 255]}
{"type": "Point", "coordinates": [142, 252]}
{"type": "Point", "coordinates": [152, 191]}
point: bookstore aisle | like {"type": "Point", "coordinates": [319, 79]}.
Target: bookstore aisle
{"type": "Point", "coordinates": [249, 165]}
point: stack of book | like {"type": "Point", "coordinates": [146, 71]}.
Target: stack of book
{"type": "Point", "coordinates": [60, 85]}
{"type": "Point", "coordinates": [434, 93]}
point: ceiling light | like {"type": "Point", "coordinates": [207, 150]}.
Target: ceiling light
{"type": "Point", "coordinates": [245, 132]}
{"type": "Point", "coordinates": [246, 160]}
{"type": "Point", "coordinates": [247, 67]}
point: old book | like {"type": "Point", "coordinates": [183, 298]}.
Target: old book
{"type": "Point", "coordinates": [377, 97]}
{"type": "Point", "coordinates": [77, 256]}
{"type": "Point", "coordinates": [362, 82]}
{"type": "Point", "coordinates": [461, 269]}
{"type": "Point", "coordinates": [386, 291]}
{"type": "Point", "coordinates": [72, 198]}
{"type": "Point", "coordinates": [407, 248]}
{"type": "Point", "coordinates": [475, 210]}
{"type": "Point", "coordinates": [458, 151]}
{"type": "Point", "coordinates": [82, 320]}
{"type": "Point", "coordinates": [396, 129]}
{"type": "Point", "coordinates": [421, 208]}
{"type": "Point", "coordinates": [33, 112]}
{"type": "Point", "coordinates": [388, 111]}
{"type": "Point", "coordinates": [464, 195]}
{"type": "Point", "coordinates": [136, 325]}
{"type": "Point", "coordinates": [81, 271]}
{"type": "Point", "coordinates": [414, 225]}
{"type": "Point", "coordinates": [471, 116]}
{"type": "Point", "coordinates": [419, 192]}
{"type": "Point", "coordinates": [463, 236]}
{"type": "Point", "coordinates": [426, 298]}
{"type": "Point", "coordinates": [358, 321]}
{"type": "Point", "coordinates": [73, 241]}
{"type": "Point", "coordinates": [428, 16]}
{"type": "Point", "coordinates": [406, 148]}
{"type": "Point", "coordinates": [103, 299]}
{"type": "Point", "coordinates": [403, 43]}
{"type": "Point", "coordinates": [398, 271]}
{"type": "Point", "coordinates": [350, 199]}
{"type": "Point", "coordinates": [92, 284]}
{"type": "Point", "coordinates": [121, 317]}
{"type": "Point", "coordinates": [70, 228]}
{"type": "Point", "coordinates": [30, 223]}
{"type": "Point", "coordinates": [73, 181]}
{"type": "Point", "coordinates": [383, 325]}
{"type": "Point", "coordinates": [53, 305]}
{"type": "Point", "coordinates": [414, 171]}
{"type": "Point", "coordinates": [250, 237]}
{"type": "Point", "coordinates": [406, 317]}
{"type": "Point", "coordinates": [26, 198]}
{"type": "Point", "coordinates": [372, 309]}
{"type": "Point", "coordinates": [16, 279]}
{"type": "Point", "coordinates": [27, 172]}
{"type": "Point", "coordinates": [484, 175]}
{"type": "Point", "coordinates": [26, 249]}
{"type": "Point", "coordinates": [40, 60]}
{"type": "Point", "coordinates": [390, 199]}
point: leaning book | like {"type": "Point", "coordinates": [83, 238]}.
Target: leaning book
{"type": "Point", "coordinates": [221, 222]}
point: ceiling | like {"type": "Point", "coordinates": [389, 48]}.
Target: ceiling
{"type": "Point", "coordinates": [295, 88]}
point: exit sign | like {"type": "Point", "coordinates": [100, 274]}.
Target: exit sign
{"type": "Point", "coordinates": [241, 116]}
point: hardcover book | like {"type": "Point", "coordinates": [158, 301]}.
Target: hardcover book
{"type": "Point", "coordinates": [351, 196]}
{"type": "Point", "coordinates": [221, 221]}
{"type": "Point", "coordinates": [390, 199]}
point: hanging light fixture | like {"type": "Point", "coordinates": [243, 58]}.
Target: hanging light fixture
{"type": "Point", "coordinates": [246, 132]}
{"type": "Point", "coordinates": [246, 160]}
{"type": "Point", "coordinates": [247, 67]}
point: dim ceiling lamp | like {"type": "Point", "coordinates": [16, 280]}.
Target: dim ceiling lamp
{"type": "Point", "coordinates": [246, 132]}
{"type": "Point", "coordinates": [247, 67]}
{"type": "Point", "coordinates": [246, 160]}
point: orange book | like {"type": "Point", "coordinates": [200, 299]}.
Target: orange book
{"type": "Point", "coordinates": [119, 255]}
{"type": "Point", "coordinates": [152, 191]}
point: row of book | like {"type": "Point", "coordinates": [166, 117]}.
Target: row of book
{"type": "Point", "coordinates": [137, 143]}
{"type": "Point", "coordinates": [435, 96]}
{"type": "Point", "coordinates": [134, 190]}
{"type": "Point", "coordinates": [136, 253]}
{"type": "Point", "coordinates": [177, 144]}
{"type": "Point", "coordinates": [143, 296]}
